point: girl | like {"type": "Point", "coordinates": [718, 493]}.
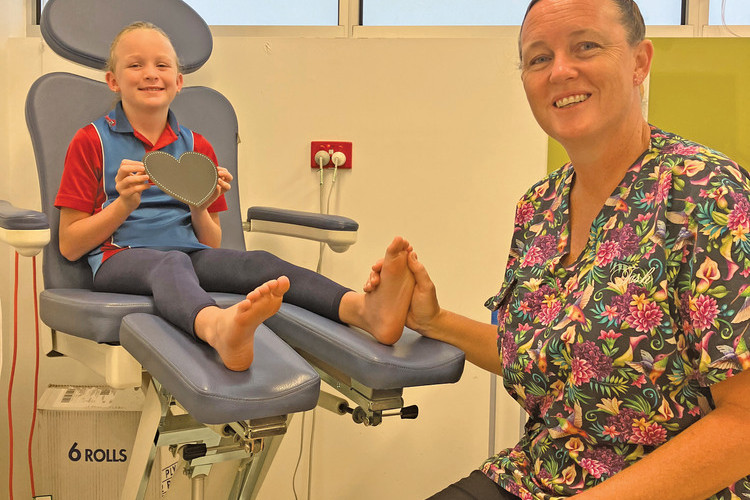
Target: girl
{"type": "Point", "coordinates": [139, 240]}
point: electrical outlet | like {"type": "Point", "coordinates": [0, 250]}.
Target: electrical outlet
{"type": "Point", "coordinates": [331, 147]}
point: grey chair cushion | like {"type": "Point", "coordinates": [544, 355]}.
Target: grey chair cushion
{"type": "Point", "coordinates": [97, 316]}
{"type": "Point", "coordinates": [279, 381]}
{"type": "Point", "coordinates": [308, 219]}
{"type": "Point", "coordinates": [58, 104]}
{"type": "Point", "coordinates": [413, 361]}
{"type": "Point", "coordinates": [14, 218]}
{"type": "Point", "coordinates": [67, 27]}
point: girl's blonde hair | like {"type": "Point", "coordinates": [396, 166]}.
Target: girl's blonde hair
{"type": "Point", "coordinates": [138, 25]}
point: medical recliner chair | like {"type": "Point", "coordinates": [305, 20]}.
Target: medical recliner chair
{"type": "Point", "coordinates": [193, 403]}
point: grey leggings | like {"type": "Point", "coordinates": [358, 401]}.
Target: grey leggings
{"type": "Point", "coordinates": [179, 282]}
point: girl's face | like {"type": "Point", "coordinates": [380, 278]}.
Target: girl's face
{"type": "Point", "coordinates": [145, 73]}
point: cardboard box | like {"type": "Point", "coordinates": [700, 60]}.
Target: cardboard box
{"type": "Point", "coordinates": [83, 442]}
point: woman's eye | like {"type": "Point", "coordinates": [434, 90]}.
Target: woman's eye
{"type": "Point", "coordinates": [534, 61]}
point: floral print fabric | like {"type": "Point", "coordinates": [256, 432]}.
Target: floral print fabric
{"type": "Point", "coordinates": [614, 355]}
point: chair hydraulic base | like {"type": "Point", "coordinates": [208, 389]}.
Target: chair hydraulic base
{"type": "Point", "coordinates": [253, 443]}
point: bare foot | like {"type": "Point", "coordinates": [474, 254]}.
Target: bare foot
{"type": "Point", "coordinates": [382, 311]}
{"type": "Point", "coordinates": [231, 331]}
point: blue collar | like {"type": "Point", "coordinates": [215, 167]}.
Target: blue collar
{"type": "Point", "coordinates": [118, 121]}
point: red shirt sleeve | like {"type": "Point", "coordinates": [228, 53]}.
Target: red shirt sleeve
{"type": "Point", "coordinates": [201, 145]}
{"type": "Point", "coordinates": [81, 183]}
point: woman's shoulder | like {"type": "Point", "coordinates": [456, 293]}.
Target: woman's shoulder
{"type": "Point", "coordinates": [705, 184]}
{"type": "Point", "coordinates": [674, 150]}
{"type": "Point", "coordinates": [695, 167]}
{"type": "Point", "coordinates": [551, 183]}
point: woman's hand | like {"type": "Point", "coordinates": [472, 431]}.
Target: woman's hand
{"type": "Point", "coordinates": [478, 340]}
{"type": "Point", "coordinates": [425, 308]}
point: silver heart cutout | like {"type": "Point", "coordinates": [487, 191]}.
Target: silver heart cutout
{"type": "Point", "coordinates": [192, 179]}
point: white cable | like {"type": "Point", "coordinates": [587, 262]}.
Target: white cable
{"type": "Point", "coordinates": [337, 159]}
{"type": "Point", "coordinates": [322, 158]}
{"type": "Point", "coordinates": [330, 191]}
{"type": "Point", "coordinates": [299, 456]}
{"type": "Point", "coordinates": [321, 244]}
{"type": "Point", "coordinates": [310, 459]}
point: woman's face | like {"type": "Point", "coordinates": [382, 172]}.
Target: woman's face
{"type": "Point", "coordinates": [580, 74]}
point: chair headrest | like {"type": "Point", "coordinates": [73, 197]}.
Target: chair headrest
{"type": "Point", "coordinates": [82, 30]}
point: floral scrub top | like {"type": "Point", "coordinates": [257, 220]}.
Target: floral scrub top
{"type": "Point", "coordinates": [614, 355]}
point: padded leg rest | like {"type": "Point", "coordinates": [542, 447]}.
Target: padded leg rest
{"type": "Point", "coordinates": [97, 315]}
{"type": "Point", "coordinates": [279, 382]}
{"type": "Point", "coordinates": [90, 315]}
{"type": "Point", "coordinates": [413, 361]}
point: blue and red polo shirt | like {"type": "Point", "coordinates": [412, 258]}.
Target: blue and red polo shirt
{"type": "Point", "coordinates": [88, 184]}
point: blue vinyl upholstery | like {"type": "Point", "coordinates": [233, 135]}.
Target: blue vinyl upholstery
{"type": "Point", "coordinates": [214, 394]}
{"type": "Point", "coordinates": [320, 221]}
{"type": "Point", "coordinates": [412, 361]}
{"type": "Point", "coordinates": [82, 31]}
{"type": "Point", "coordinates": [58, 104]}
{"type": "Point", "coordinates": [15, 218]}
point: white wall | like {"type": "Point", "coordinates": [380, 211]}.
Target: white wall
{"type": "Point", "coordinates": [443, 147]}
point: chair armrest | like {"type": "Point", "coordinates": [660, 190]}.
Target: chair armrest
{"type": "Point", "coordinates": [26, 230]}
{"type": "Point", "coordinates": [336, 231]}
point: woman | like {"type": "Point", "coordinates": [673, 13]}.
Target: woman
{"type": "Point", "coordinates": [623, 330]}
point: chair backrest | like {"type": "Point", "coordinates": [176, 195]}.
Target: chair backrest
{"type": "Point", "coordinates": [58, 104]}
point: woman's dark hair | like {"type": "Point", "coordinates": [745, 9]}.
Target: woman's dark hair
{"type": "Point", "coordinates": [630, 19]}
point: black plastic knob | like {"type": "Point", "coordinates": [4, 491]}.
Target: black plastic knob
{"type": "Point", "coordinates": [193, 451]}
{"type": "Point", "coordinates": [410, 412]}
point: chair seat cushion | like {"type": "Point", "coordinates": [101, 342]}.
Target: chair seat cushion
{"type": "Point", "coordinates": [97, 315]}
{"type": "Point", "coordinates": [412, 361]}
{"type": "Point", "coordinates": [279, 381]}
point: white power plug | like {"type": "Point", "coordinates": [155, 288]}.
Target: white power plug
{"type": "Point", "coordinates": [338, 159]}
{"type": "Point", "coordinates": [322, 158]}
